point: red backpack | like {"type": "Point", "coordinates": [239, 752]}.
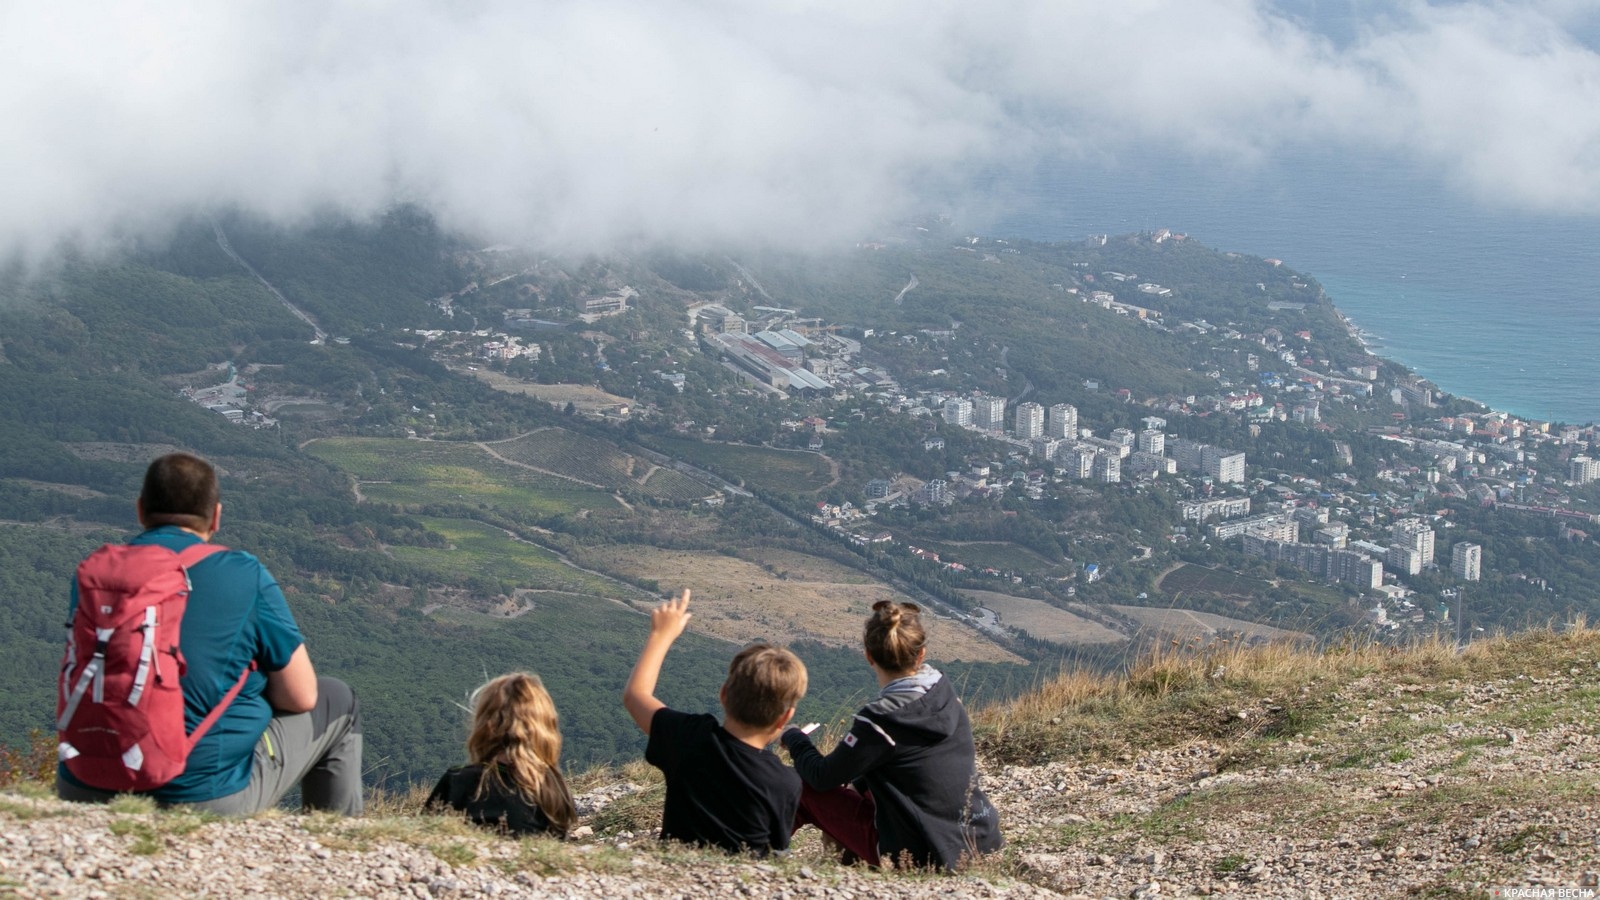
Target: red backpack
{"type": "Point", "coordinates": [119, 713]}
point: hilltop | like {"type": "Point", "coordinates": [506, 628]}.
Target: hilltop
{"type": "Point", "coordinates": [1264, 771]}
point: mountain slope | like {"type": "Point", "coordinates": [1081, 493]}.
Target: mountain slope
{"type": "Point", "coordinates": [1261, 772]}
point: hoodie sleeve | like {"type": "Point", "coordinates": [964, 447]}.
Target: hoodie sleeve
{"type": "Point", "coordinates": [859, 752]}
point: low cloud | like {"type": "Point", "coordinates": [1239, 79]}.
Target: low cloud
{"type": "Point", "coordinates": [580, 125]}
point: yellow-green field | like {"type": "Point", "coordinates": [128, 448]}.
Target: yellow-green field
{"type": "Point", "coordinates": [483, 550]}
{"type": "Point", "coordinates": [416, 473]}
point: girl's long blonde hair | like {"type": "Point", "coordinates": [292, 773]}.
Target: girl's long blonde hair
{"type": "Point", "coordinates": [514, 723]}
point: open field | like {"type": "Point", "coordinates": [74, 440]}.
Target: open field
{"type": "Point", "coordinates": [740, 601]}
{"type": "Point", "coordinates": [1002, 555]}
{"type": "Point", "coordinates": [1045, 622]}
{"type": "Point", "coordinates": [596, 462]}
{"type": "Point", "coordinates": [761, 468]}
{"type": "Point", "coordinates": [1184, 624]}
{"type": "Point", "coordinates": [585, 398]}
{"type": "Point", "coordinates": [483, 550]}
{"type": "Point", "coordinates": [415, 473]}
{"type": "Point", "coordinates": [800, 565]}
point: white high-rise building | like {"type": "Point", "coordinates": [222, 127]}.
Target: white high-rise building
{"type": "Point", "coordinates": [1124, 436]}
{"type": "Point", "coordinates": [1584, 469]}
{"type": "Point", "coordinates": [958, 411]}
{"type": "Point", "coordinates": [1153, 442]}
{"type": "Point", "coordinates": [989, 412]}
{"type": "Point", "coordinates": [1076, 460]}
{"type": "Point", "coordinates": [1414, 534]}
{"type": "Point", "coordinates": [1466, 560]}
{"type": "Point", "coordinates": [1063, 421]}
{"type": "Point", "coordinates": [1030, 421]}
{"type": "Point", "coordinates": [1403, 559]}
{"type": "Point", "coordinates": [1222, 465]}
{"type": "Point", "coordinates": [1107, 467]}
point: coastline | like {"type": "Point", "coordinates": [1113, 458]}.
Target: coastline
{"type": "Point", "coordinates": [1374, 344]}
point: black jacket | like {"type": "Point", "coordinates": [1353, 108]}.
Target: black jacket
{"type": "Point", "coordinates": [912, 748]}
{"type": "Point", "coordinates": [498, 808]}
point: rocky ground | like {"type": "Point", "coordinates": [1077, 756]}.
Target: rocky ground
{"type": "Point", "coordinates": [1425, 775]}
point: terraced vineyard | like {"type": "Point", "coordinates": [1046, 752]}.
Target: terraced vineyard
{"type": "Point", "coordinates": [416, 473]}
{"type": "Point", "coordinates": [669, 484]}
{"type": "Point", "coordinates": [764, 468]}
{"type": "Point", "coordinates": [596, 462]}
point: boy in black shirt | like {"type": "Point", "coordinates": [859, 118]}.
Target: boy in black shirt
{"type": "Point", "coordinates": [723, 786]}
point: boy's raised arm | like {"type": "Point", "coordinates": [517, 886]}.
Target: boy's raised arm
{"type": "Point", "coordinates": [667, 621]}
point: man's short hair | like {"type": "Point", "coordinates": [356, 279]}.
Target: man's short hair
{"type": "Point", "coordinates": [764, 682]}
{"type": "Point", "coordinates": [179, 489]}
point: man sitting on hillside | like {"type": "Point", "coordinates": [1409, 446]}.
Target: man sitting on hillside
{"type": "Point", "coordinates": [286, 726]}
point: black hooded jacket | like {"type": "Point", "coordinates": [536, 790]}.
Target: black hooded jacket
{"type": "Point", "coordinates": [912, 748]}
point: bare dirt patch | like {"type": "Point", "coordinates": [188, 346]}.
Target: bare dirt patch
{"type": "Point", "coordinates": [740, 601]}
{"type": "Point", "coordinates": [1185, 623]}
{"type": "Point", "coordinates": [1045, 622]}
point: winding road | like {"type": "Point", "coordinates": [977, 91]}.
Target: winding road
{"type": "Point", "coordinates": [222, 241]}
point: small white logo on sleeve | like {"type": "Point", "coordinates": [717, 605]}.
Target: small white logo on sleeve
{"type": "Point", "coordinates": [850, 740]}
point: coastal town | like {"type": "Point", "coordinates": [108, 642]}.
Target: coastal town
{"type": "Point", "coordinates": [1375, 516]}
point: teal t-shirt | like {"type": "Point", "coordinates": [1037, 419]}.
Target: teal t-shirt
{"type": "Point", "coordinates": [236, 614]}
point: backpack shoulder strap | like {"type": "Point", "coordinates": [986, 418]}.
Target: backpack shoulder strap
{"type": "Point", "coordinates": [221, 707]}
{"type": "Point", "coordinates": [188, 557]}
{"type": "Point", "coordinates": [193, 553]}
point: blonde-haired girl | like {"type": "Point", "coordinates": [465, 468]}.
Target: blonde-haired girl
{"type": "Point", "coordinates": [902, 786]}
{"type": "Point", "coordinates": [513, 778]}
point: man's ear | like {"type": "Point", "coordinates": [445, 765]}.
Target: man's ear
{"type": "Point", "coordinates": [788, 717]}
{"type": "Point", "coordinates": [216, 518]}
{"type": "Point", "coordinates": [138, 510]}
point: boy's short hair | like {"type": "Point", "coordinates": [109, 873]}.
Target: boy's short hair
{"type": "Point", "coordinates": [179, 489]}
{"type": "Point", "coordinates": [764, 682]}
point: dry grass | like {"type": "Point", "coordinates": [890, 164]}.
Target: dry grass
{"type": "Point", "coordinates": [743, 601]}
{"type": "Point", "coordinates": [1191, 690]}
{"type": "Point", "coordinates": [33, 764]}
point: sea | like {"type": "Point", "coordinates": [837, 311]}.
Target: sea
{"type": "Point", "coordinates": [1485, 300]}
{"type": "Point", "coordinates": [1488, 302]}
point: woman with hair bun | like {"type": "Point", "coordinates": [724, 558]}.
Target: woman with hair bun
{"type": "Point", "coordinates": [902, 785]}
{"type": "Point", "coordinates": [513, 781]}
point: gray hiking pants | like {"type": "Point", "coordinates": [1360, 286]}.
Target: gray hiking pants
{"type": "Point", "coordinates": [319, 750]}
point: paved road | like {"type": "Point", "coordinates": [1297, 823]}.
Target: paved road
{"type": "Point", "coordinates": [905, 290]}
{"type": "Point", "coordinates": [222, 241]}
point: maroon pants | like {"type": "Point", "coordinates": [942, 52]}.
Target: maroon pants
{"type": "Point", "coordinates": [843, 814]}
